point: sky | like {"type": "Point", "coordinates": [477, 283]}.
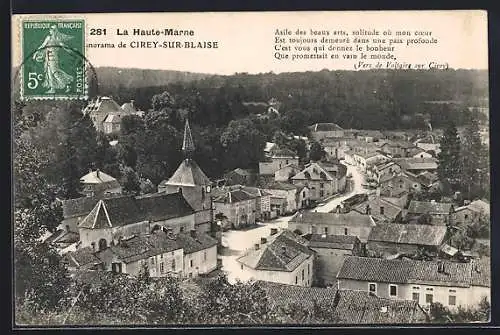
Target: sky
{"type": "Point", "coordinates": [246, 40]}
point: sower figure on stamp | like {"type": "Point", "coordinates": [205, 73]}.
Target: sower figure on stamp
{"type": "Point", "coordinates": [55, 77]}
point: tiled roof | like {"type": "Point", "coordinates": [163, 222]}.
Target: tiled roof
{"type": "Point", "coordinates": [358, 307]}
{"type": "Point", "coordinates": [281, 295]}
{"type": "Point", "coordinates": [400, 144]}
{"type": "Point", "coordinates": [480, 206]}
{"type": "Point", "coordinates": [234, 196]}
{"type": "Point", "coordinates": [406, 271]}
{"type": "Point", "coordinates": [279, 186]}
{"type": "Point", "coordinates": [193, 244]}
{"type": "Point", "coordinates": [83, 258]}
{"type": "Point", "coordinates": [341, 219]}
{"type": "Point", "coordinates": [283, 252]}
{"type": "Point", "coordinates": [102, 105]}
{"type": "Point", "coordinates": [120, 211]}
{"type": "Point", "coordinates": [283, 153]}
{"type": "Point", "coordinates": [391, 210]}
{"type": "Point", "coordinates": [243, 172]}
{"type": "Point", "coordinates": [79, 206]}
{"type": "Point", "coordinates": [317, 171]}
{"type": "Point", "coordinates": [417, 234]}
{"type": "Point", "coordinates": [188, 174]}
{"type": "Point", "coordinates": [342, 242]}
{"type": "Point", "coordinates": [422, 207]}
{"type": "Point", "coordinates": [481, 272]}
{"type": "Point", "coordinates": [141, 247]}
{"type": "Point", "coordinates": [96, 177]}
{"type": "Point", "coordinates": [417, 163]}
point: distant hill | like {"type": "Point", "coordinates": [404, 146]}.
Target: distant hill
{"type": "Point", "coordinates": [136, 78]}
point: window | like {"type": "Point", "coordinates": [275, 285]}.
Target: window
{"type": "Point", "coordinates": [152, 260]}
{"type": "Point", "coordinates": [162, 270]}
{"type": "Point", "coordinates": [204, 255]}
{"type": "Point", "coordinates": [326, 230]}
{"type": "Point", "coordinates": [321, 193]}
{"type": "Point", "coordinates": [381, 210]}
{"type": "Point", "coordinates": [182, 229]}
{"type": "Point", "coordinates": [415, 296]}
{"type": "Point", "coordinates": [345, 231]}
{"type": "Point", "coordinates": [428, 298]}
{"type": "Point", "coordinates": [321, 185]}
{"type": "Point", "coordinates": [372, 287]}
{"type": "Point", "coordinates": [287, 161]}
{"type": "Point", "coordinates": [466, 216]}
{"type": "Point", "coordinates": [308, 269]}
{"type": "Point", "coordinates": [452, 300]}
{"type": "Point", "coordinates": [452, 291]}
{"type": "Point", "coordinates": [296, 280]}
{"type": "Point", "coordinates": [191, 263]}
{"type": "Point", "coordinates": [116, 267]}
{"type": "Point", "coordinates": [393, 290]}
{"type": "Point", "coordinates": [416, 287]}
{"type": "Point", "coordinates": [303, 274]}
{"type": "Point", "coordinates": [304, 194]}
{"type": "Point", "coordinates": [429, 289]}
{"type": "Point", "coordinates": [161, 256]}
{"type": "Point", "coordinates": [190, 275]}
{"type": "Point", "coordinates": [242, 266]}
{"type": "Point", "coordinates": [173, 264]}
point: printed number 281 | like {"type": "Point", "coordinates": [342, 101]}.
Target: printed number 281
{"type": "Point", "coordinates": [34, 79]}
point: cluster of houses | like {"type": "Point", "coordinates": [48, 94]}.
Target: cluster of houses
{"type": "Point", "coordinates": [384, 243]}
{"type": "Point", "coordinates": [362, 256]}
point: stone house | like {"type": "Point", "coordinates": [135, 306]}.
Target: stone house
{"type": "Point", "coordinates": [380, 208]}
{"type": "Point", "coordinates": [440, 212]}
{"type": "Point", "coordinates": [283, 197]}
{"type": "Point", "coordinates": [397, 148]}
{"type": "Point", "coordinates": [278, 160]}
{"type": "Point", "coordinates": [237, 206]}
{"type": "Point", "coordinates": [282, 258]}
{"type": "Point", "coordinates": [351, 224]}
{"type": "Point", "coordinates": [330, 253]}
{"type": "Point", "coordinates": [471, 213]}
{"type": "Point", "coordinates": [393, 238]}
{"type": "Point", "coordinates": [417, 165]}
{"type": "Point", "coordinates": [321, 131]}
{"type": "Point", "coordinates": [322, 180]}
{"type": "Point", "coordinates": [286, 173]}
{"type": "Point", "coordinates": [450, 283]}
{"type": "Point", "coordinates": [119, 217]}
{"type": "Point", "coordinates": [99, 184]}
{"type": "Point", "coordinates": [241, 177]}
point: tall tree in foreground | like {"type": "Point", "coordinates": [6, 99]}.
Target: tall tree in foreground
{"type": "Point", "coordinates": [474, 160]}
{"type": "Point", "coordinates": [41, 279]}
{"type": "Point", "coordinates": [317, 152]}
{"type": "Point", "coordinates": [449, 167]}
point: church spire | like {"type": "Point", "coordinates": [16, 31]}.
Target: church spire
{"type": "Point", "coordinates": [187, 143]}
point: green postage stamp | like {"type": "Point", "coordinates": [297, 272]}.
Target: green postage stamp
{"type": "Point", "coordinates": [54, 63]}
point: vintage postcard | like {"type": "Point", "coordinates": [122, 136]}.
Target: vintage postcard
{"type": "Point", "coordinates": [251, 168]}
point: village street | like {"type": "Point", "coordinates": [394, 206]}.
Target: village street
{"type": "Point", "coordinates": [235, 242]}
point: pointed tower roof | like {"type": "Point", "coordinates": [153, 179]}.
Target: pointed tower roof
{"type": "Point", "coordinates": [187, 143]}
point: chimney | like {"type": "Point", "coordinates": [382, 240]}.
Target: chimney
{"type": "Point", "coordinates": [93, 246]}
{"type": "Point", "coordinates": [193, 233]}
{"type": "Point", "coordinates": [263, 240]}
{"type": "Point", "coordinates": [274, 231]}
{"type": "Point", "coordinates": [132, 102]}
{"type": "Point", "coordinates": [257, 246]}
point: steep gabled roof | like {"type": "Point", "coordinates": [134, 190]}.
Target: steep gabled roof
{"type": "Point", "coordinates": [318, 171]}
{"type": "Point", "coordinates": [232, 196]}
{"type": "Point", "coordinates": [188, 174]}
{"type": "Point", "coordinates": [426, 163]}
{"type": "Point", "coordinates": [284, 252]}
{"type": "Point", "coordinates": [391, 210]}
{"type": "Point", "coordinates": [79, 206]}
{"type": "Point", "coordinates": [192, 244]}
{"type": "Point", "coordinates": [416, 234]}
{"type": "Point", "coordinates": [124, 210]}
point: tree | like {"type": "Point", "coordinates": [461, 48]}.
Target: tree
{"type": "Point", "coordinates": [130, 181]}
{"type": "Point", "coordinates": [316, 152]}
{"type": "Point", "coordinates": [243, 145]}
{"type": "Point", "coordinates": [158, 148]}
{"type": "Point", "coordinates": [41, 280]}
{"type": "Point", "coordinates": [448, 159]}
{"type": "Point", "coordinates": [474, 160]}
